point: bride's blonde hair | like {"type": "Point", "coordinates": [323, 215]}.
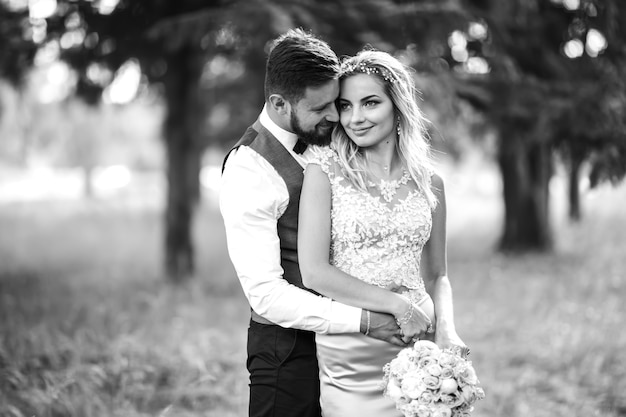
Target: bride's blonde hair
{"type": "Point", "coordinates": [413, 142]}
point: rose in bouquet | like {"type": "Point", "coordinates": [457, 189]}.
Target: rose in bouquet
{"type": "Point", "coordinates": [426, 381]}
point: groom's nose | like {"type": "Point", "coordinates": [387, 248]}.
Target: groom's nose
{"type": "Point", "coordinates": [332, 115]}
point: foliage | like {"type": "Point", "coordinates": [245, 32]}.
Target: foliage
{"type": "Point", "coordinates": [575, 103]}
{"type": "Point", "coordinates": [227, 41]}
{"type": "Point", "coordinates": [592, 127]}
{"type": "Point", "coordinates": [16, 51]}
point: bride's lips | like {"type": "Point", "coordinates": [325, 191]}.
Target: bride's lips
{"type": "Point", "coordinates": [361, 131]}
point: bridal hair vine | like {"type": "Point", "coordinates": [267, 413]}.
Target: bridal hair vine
{"type": "Point", "coordinates": [366, 67]}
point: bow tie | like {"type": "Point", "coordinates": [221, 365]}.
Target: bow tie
{"type": "Point", "coordinates": [300, 146]}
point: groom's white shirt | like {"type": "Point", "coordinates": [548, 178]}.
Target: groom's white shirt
{"type": "Point", "coordinates": [253, 197]}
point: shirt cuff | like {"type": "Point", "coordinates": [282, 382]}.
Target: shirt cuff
{"type": "Point", "coordinates": [344, 318]}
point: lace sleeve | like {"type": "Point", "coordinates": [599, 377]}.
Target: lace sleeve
{"type": "Point", "coordinates": [323, 156]}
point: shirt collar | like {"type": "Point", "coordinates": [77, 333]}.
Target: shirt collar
{"type": "Point", "coordinates": [288, 139]}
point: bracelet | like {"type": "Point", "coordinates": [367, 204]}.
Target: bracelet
{"type": "Point", "coordinates": [367, 330]}
{"type": "Point", "coordinates": [407, 316]}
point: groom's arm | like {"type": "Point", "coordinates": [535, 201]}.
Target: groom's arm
{"type": "Point", "coordinates": [251, 200]}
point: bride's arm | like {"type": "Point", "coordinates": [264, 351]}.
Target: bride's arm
{"type": "Point", "coordinates": [313, 255]}
{"type": "Point", "coordinates": [434, 271]}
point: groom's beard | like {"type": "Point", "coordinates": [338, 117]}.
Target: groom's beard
{"type": "Point", "coordinates": [320, 135]}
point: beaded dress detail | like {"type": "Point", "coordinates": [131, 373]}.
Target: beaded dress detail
{"type": "Point", "coordinates": [377, 235]}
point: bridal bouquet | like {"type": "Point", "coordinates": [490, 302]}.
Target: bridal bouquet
{"type": "Point", "coordinates": [426, 381]}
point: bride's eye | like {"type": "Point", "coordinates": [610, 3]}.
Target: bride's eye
{"type": "Point", "coordinates": [343, 106]}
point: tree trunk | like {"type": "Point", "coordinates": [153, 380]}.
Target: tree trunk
{"type": "Point", "coordinates": [526, 170]}
{"type": "Point", "coordinates": [182, 194]}
{"type": "Point", "coordinates": [575, 213]}
{"type": "Point", "coordinates": [183, 162]}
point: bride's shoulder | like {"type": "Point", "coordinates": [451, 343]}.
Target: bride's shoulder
{"type": "Point", "coordinates": [323, 156]}
{"type": "Point", "coordinates": [436, 183]}
{"type": "Point", "coordinates": [322, 152]}
{"type": "Point", "coordinates": [436, 180]}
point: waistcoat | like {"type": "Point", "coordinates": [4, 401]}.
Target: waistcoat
{"type": "Point", "coordinates": [265, 144]}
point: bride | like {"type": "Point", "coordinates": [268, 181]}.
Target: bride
{"type": "Point", "coordinates": [373, 200]}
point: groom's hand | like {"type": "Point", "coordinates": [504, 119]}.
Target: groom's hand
{"type": "Point", "coordinates": [383, 327]}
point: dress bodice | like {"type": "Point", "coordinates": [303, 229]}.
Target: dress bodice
{"type": "Point", "coordinates": [378, 234]}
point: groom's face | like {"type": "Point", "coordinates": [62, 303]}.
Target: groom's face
{"type": "Point", "coordinates": [315, 115]}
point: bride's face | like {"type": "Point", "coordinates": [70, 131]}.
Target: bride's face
{"type": "Point", "coordinates": [366, 111]}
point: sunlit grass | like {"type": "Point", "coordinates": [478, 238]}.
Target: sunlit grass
{"type": "Point", "coordinates": [545, 329]}
{"type": "Point", "coordinates": [88, 326]}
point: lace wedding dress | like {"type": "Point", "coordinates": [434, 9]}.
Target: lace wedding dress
{"type": "Point", "coordinates": [376, 236]}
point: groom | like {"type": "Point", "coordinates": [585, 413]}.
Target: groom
{"type": "Point", "coordinates": [261, 182]}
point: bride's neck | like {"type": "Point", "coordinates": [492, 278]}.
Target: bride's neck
{"type": "Point", "coordinates": [384, 163]}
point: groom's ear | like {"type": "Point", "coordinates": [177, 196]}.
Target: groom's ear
{"type": "Point", "coordinates": [279, 104]}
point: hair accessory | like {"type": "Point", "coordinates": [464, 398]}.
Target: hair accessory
{"type": "Point", "coordinates": [366, 67]}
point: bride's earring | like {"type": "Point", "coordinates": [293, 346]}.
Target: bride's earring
{"type": "Point", "coordinates": [398, 128]}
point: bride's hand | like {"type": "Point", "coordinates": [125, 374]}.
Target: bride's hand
{"type": "Point", "coordinates": [413, 322]}
{"type": "Point", "coordinates": [450, 339]}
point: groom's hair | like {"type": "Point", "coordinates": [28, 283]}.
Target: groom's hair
{"type": "Point", "coordinates": [298, 60]}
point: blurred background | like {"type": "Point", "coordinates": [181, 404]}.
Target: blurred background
{"type": "Point", "coordinates": [117, 296]}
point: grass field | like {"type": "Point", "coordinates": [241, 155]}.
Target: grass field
{"type": "Point", "coordinates": [88, 327]}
